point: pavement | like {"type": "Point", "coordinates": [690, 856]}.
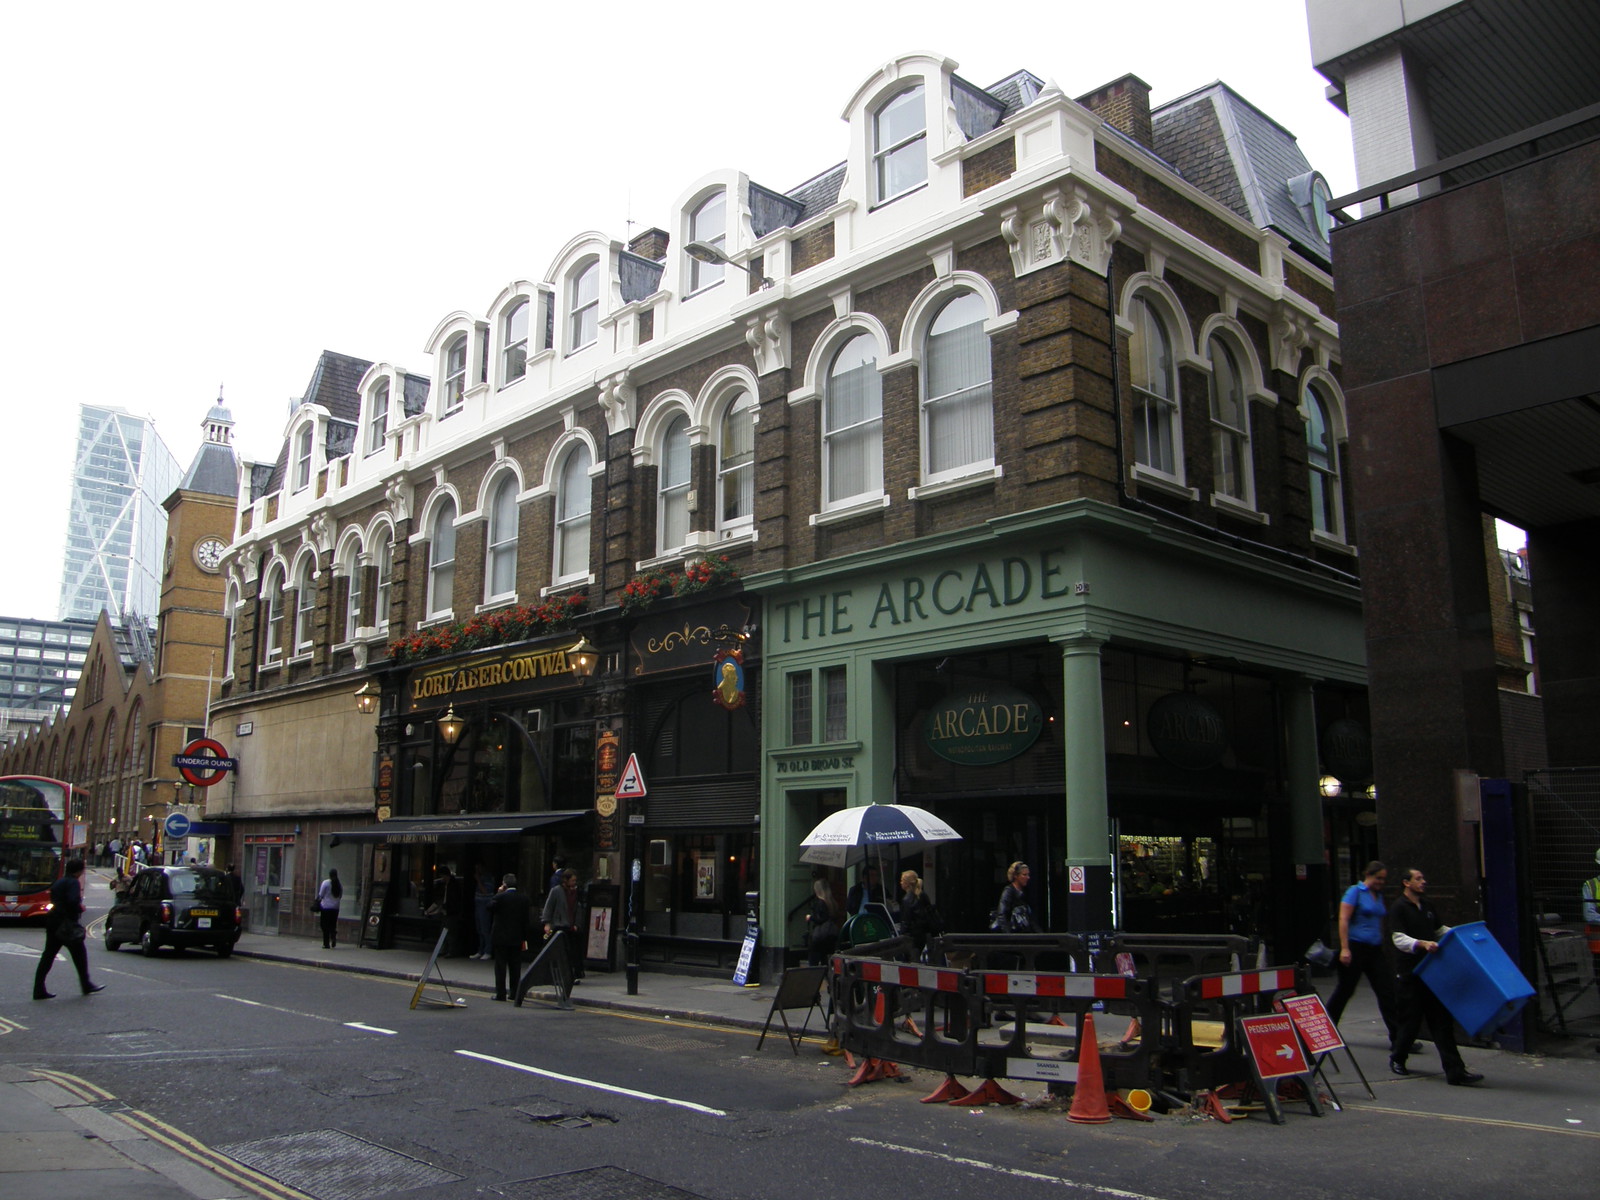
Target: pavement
{"type": "Point", "coordinates": [51, 1125]}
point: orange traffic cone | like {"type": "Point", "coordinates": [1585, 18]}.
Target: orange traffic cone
{"type": "Point", "coordinates": [988, 1092]}
{"type": "Point", "coordinates": [1089, 1097]}
{"type": "Point", "coordinates": [878, 1008]}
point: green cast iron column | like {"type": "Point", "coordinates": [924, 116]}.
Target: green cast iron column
{"type": "Point", "coordinates": [1306, 911]}
{"type": "Point", "coordinates": [1088, 821]}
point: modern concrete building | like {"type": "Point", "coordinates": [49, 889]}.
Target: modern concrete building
{"type": "Point", "coordinates": [39, 665]}
{"type": "Point", "coordinates": [116, 527]}
{"type": "Point", "coordinates": [1469, 304]}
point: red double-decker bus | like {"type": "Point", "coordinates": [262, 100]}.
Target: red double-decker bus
{"type": "Point", "coordinates": [33, 830]}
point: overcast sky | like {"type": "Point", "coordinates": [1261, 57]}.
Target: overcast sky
{"type": "Point", "coordinates": [204, 194]}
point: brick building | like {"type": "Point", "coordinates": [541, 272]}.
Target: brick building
{"type": "Point", "coordinates": [1029, 410]}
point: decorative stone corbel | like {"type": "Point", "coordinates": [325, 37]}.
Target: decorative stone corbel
{"type": "Point", "coordinates": [1011, 231]}
{"type": "Point", "coordinates": [767, 335]}
{"type": "Point", "coordinates": [399, 495]}
{"type": "Point", "coordinates": [322, 533]}
{"type": "Point", "coordinates": [1090, 235]}
{"type": "Point", "coordinates": [618, 399]}
{"type": "Point", "coordinates": [1290, 335]}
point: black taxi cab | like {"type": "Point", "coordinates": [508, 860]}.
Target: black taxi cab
{"type": "Point", "coordinates": [176, 906]}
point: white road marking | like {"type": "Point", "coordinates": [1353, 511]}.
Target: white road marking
{"type": "Point", "coordinates": [293, 1012]}
{"type": "Point", "coordinates": [604, 1087]}
{"type": "Point", "coordinates": [369, 1028]}
{"type": "Point", "coordinates": [1096, 1189]}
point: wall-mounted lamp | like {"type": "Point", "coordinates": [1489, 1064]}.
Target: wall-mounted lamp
{"type": "Point", "coordinates": [707, 253]}
{"type": "Point", "coordinates": [450, 726]}
{"type": "Point", "coordinates": [583, 659]}
{"type": "Point", "coordinates": [367, 698]}
{"type": "Point", "coordinates": [1372, 791]}
{"type": "Point", "coordinates": [1329, 786]}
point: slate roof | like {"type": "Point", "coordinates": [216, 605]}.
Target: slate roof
{"type": "Point", "coordinates": [214, 471]}
{"type": "Point", "coordinates": [1235, 153]}
{"type": "Point", "coordinates": [335, 384]}
{"type": "Point", "coordinates": [819, 193]}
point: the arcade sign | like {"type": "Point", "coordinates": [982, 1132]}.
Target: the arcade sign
{"type": "Point", "coordinates": [977, 727]}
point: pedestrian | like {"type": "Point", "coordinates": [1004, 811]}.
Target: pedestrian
{"type": "Point", "coordinates": [238, 884]}
{"type": "Point", "coordinates": [824, 918]}
{"type": "Point", "coordinates": [115, 847]}
{"type": "Point", "coordinates": [1361, 913]}
{"type": "Point", "coordinates": [64, 930]}
{"type": "Point", "coordinates": [509, 911]}
{"type": "Point", "coordinates": [99, 854]}
{"type": "Point", "coordinates": [561, 915]}
{"type": "Point", "coordinates": [1013, 914]}
{"type": "Point", "coordinates": [481, 917]}
{"type": "Point", "coordinates": [868, 890]}
{"type": "Point", "coordinates": [1591, 909]}
{"type": "Point", "coordinates": [328, 896]}
{"type": "Point", "coordinates": [919, 920]}
{"type": "Point", "coordinates": [557, 865]}
{"type": "Point", "coordinates": [1414, 929]}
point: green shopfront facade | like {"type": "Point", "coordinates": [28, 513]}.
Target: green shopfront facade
{"type": "Point", "coordinates": [1136, 711]}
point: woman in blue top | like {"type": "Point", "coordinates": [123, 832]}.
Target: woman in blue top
{"type": "Point", "coordinates": [1361, 914]}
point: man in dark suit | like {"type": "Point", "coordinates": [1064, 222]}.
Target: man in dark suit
{"type": "Point", "coordinates": [509, 910]}
{"type": "Point", "coordinates": [63, 930]}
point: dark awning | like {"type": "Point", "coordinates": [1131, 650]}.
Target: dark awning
{"type": "Point", "coordinates": [483, 827]}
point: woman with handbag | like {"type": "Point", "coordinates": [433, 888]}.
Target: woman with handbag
{"type": "Point", "coordinates": [63, 930]}
{"type": "Point", "coordinates": [327, 908]}
{"type": "Point", "coordinates": [823, 920]}
{"type": "Point", "coordinates": [1012, 914]}
{"type": "Point", "coordinates": [1361, 938]}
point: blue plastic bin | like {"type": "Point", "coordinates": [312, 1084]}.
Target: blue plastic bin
{"type": "Point", "coordinates": [1475, 979]}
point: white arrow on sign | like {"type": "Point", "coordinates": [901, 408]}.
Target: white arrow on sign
{"type": "Point", "coordinates": [1284, 1051]}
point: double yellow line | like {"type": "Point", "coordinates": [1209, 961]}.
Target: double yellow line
{"type": "Point", "coordinates": [176, 1140]}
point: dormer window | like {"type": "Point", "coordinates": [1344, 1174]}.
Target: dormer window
{"type": "Point", "coordinates": [900, 145]}
{"type": "Point", "coordinates": [583, 307]}
{"type": "Point", "coordinates": [708, 224]}
{"type": "Point", "coordinates": [302, 457]}
{"type": "Point", "coordinates": [514, 339]}
{"type": "Point", "coordinates": [455, 375]}
{"type": "Point", "coordinates": [378, 418]}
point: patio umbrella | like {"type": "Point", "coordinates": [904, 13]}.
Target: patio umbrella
{"type": "Point", "coordinates": [844, 838]}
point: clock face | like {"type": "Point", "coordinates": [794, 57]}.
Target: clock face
{"type": "Point", "coordinates": [208, 553]}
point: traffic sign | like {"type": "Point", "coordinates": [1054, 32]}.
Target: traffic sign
{"type": "Point", "coordinates": [631, 785]}
{"type": "Point", "coordinates": [1274, 1046]}
{"type": "Point", "coordinates": [204, 762]}
{"type": "Point", "coordinates": [1077, 881]}
{"type": "Point", "coordinates": [177, 825]}
{"type": "Point", "coordinates": [1316, 1027]}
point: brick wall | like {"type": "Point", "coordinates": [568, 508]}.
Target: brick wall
{"type": "Point", "coordinates": [809, 249]}
{"type": "Point", "coordinates": [1125, 104]}
{"type": "Point", "coordinates": [988, 167]}
{"type": "Point", "coordinates": [1181, 211]}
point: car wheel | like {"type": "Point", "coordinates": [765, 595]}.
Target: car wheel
{"type": "Point", "coordinates": [224, 949]}
{"type": "Point", "coordinates": [112, 944]}
{"type": "Point", "coordinates": [148, 944]}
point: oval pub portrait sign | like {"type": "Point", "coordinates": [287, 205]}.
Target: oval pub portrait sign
{"type": "Point", "coordinates": [977, 727]}
{"type": "Point", "coordinates": [1187, 731]}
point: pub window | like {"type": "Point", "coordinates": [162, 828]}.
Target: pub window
{"type": "Point", "coordinates": [800, 709]}
{"type": "Point", "coordinates": [835, 711]}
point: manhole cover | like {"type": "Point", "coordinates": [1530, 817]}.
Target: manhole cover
{"type": "Point", "coordinates": [596, 1183]}
{"type": "Point", "coordinates": [662, 1041]}
{"type": "Point", "coordinates": [335, 1165]}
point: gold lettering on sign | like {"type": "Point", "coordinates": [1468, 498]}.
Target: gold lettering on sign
{"type": "Point", "coordinates": [451, 681]}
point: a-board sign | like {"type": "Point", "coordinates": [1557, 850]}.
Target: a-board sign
{"type": "Point", "coordinates": [1274, 1046]}
{"type": "Point", "coordinates": [1316, 1027]}
{"type": "Point", "coordinates": [747, 953]}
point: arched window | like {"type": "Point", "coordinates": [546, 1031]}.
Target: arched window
{"type": "Point", "coordinates": [378, 418]}
{"type": "Point", "coordinates": [852, 424]}
{"type": "Point", "coordinates": [272, 615]}
{"type": "Point", "coordinates": [958, 412]}
{"type": "Point", "coordinates": [442, 561]}
{"type": "Point", "coordinates": [1322, 457]}
{"type": "Point", "coordinates": [736, 462]}
{"type": "Point", "coordinates": [383, 564]}
{"type": "Point", "coordinates": [501, 580]}
{"type": "Point", "coordinates": [1156, 440]}
{"type": "Point", "coordinates": [110, 761]}
{"type": "Point", "coordinates": [230, 630]}
{"type": "Point", "coordinates": [353, 595]}
{"type": "Point", "coordinates": [455, 375]}
{"type": "Point", "coordinates": [514, 340]}
{"type": "Point", "coordinates": [672, 495]}
{"type": "Point", "coordinates": [899, 145]}
{"type": "Point", "coordinates": [583, 307]}
{"type": "Point", "coordinates": [573, 503]}
{"type": "Point", "coordinates": [708, 224]}
{"type": "Point", "coordinates": [1230, 425]}
{"type": "Point", "coordinates": [305, 606]}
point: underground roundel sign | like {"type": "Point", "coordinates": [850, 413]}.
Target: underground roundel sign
{"type": "Point", "coordinates": [204, 762]}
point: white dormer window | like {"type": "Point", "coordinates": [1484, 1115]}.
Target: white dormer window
{"type": "Point", "coordinates": [514, 339]}
{"type": "Point", "coordinates": [899, 145]}
{"type": "Point", "coordinates": [302, 457]}
{"type": "Point", "coordinates": [378, 418]}
{"type": "Point", "coordinates": [708, 224]}
{"type": "Point", "coordinates": [455, 375]}
{"type": "Point", "coordinates": [673, 497]}
{"type": "Point", "coordinates": [583, 307]}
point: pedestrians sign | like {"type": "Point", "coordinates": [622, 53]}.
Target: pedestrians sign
{"type": "Point", "coordinates": [631, 785]}
{"type": "Point", "coordinates": [1274, 1046]}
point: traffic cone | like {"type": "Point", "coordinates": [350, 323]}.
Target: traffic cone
{"type": "Point", "coordinates": [1089, 1097]}
{"type": "Point", "coordinates": [988, 1092]}
{"type": "Point", "coordinates": [951, 1089]}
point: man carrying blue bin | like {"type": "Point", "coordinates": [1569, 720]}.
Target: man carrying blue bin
{"type": "Point", "coordinates": [1413, 927]}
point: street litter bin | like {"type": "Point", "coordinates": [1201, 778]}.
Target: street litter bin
{"type": "Point", "coordinates": [1475, 979]}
